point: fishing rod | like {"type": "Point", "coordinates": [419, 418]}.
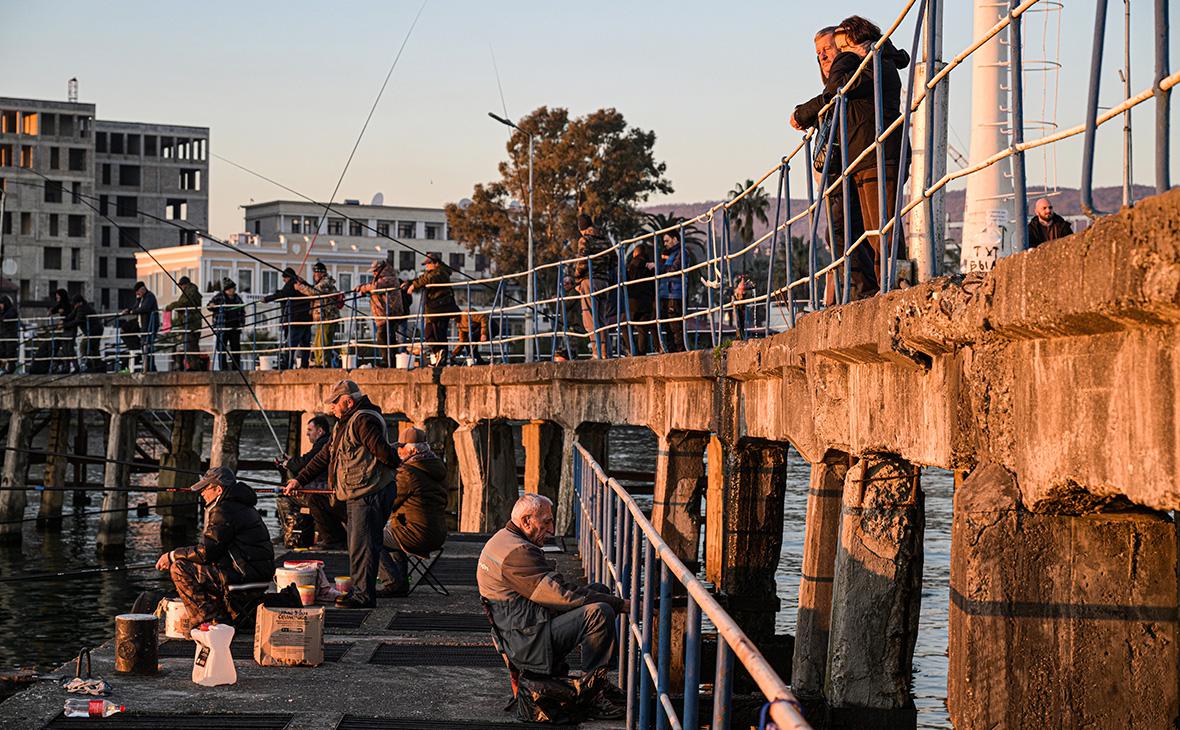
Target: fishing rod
{"type": "Point", "coordinates": [141, 510]}
{"type": "Point", "coordinates": [76, 573]}
{"type": "Point", "coordinates": [365, 126]}
{"type": "Point", "coordinates": [147, 489]}
{"type": "Point", "coordinates": [147, 464]}
{"type": "Point", "coordinates": [234, 360]}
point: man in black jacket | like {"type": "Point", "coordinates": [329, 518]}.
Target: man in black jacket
{"type": "Point", "coordinates": [82, 320]}
{"type": "Point", "coordinates": [9, 334]}
{"type": "Point", "coordinates": [360, 463]}
{"type": "Point", "coordinates": [854, 38]}
{"type": "Point", "coordinates": [419, 519]}
{"type": "Point", "coordinates": [229, 316]}
{"type": "Point", "coordinates": [296, 319]}
{"type": "Point", "coordinates": [327, 512]}
{"type": "Point", "coordinates": [147, 313]}
{"type": "Point", "coordinates": [438, 305]}
{"type": "Point", "coordinates": [234, 548]}
{"type": "Point", "coordinates": [1046, 225]}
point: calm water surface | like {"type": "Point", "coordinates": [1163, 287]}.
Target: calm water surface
{"type": "Point", "coordinates": [46, 622]}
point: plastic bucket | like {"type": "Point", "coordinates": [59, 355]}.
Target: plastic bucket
{"type": "Point", "coordinates": [307, 594]}
{"type": "Point", "coordinates": [298, 576]}
{"type": "Point", "coordinates": [344, 583]}
{"type": "Point", "coordinates": [176, 623]}
{"type": "Point", "coordinates": [266, 362]}
{"type": "Point", "coordinates": [402, 360]}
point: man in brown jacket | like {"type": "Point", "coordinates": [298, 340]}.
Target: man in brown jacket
{"type": "Point", "coordinates": [539, 615]}
{"type": "Point", "coordinates": [418, 522]}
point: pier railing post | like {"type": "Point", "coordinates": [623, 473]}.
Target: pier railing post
{"type": "Point", "coordinates": [16, 465]}
{"type": "Point", "coordinates": [112, 526]}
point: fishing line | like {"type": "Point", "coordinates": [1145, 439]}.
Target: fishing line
{"type": "Point", "coordinates": [364, 127]}
{"type": "Point", "coordinates": [76, 573]}
{"type": "Point", "coordinates": [95, 460]}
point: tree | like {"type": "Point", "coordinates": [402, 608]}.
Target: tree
{"type": "Point", "coordinates": [594, 163]}
{"type": "Point", "coordinates": [744, 213]}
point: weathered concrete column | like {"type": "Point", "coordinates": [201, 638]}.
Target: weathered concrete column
{"type": "Point", "coordinates": [112, 526]}
{"type": "Point", "coordinates": [822, 531]}
{"type": "Point", "coordinates": [1061, 619]}
{"type": "Point", "coordinates": [543, 453]}
{"type": "Point", "coordinates": [487, 465]}
{"type": "Point", "coordinates": [753, 538]}
{"type": "Point", "coordinates": [877, 588]}
{"type": "Point", "coordinates": [227, 436]}
{"type": "Point", "coordinates": [178, 510]}
{"type": "Point", "coordinates": [680, 477]}
{"type": "Point", "coordinates": [592, 437]}
{"type": "Point", "coordinates": [16, 466]}
{"type": "Point", "coordinates": [716, 467]}
{"type": "Point", "coordinates": [440, 432]}
{"type": "Point", "coordinates": [49, 509]}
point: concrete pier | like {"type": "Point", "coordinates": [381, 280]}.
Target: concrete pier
{"type": "Point", "coordinates": [112, 526]}
{"type": "Point", "coordinates": [49, 509]}
{"type": "Point", "coordinates": [877, 585]}
{"type": "Point", "coordinates": [487, 466]}
{"type": "Point", "coordinates": [15, 474]}
{"type": "Point", "coordinates": [178, 510]}
{"type": "Point", "coordinates": [1065, 618]}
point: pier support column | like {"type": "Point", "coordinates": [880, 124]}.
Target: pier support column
{"type": "Point", "coordinates": [821, 535]}
{"type": "Point", "coordinates": [877, 587]}
{"type": "Point", "coordinates": [543, 452]}
{"type": "Point", "coordinates": [1062, 618]}
{"type": "Point", "coordinates": [227, 436]}
{"type": "Point", "coordinates": [487, 465]}
{"type": "Point", "coordinates": [112, 526]}
{"type": "Point", "coordinates": [752, 535]}
{"type": "Point", "coordinates": [440, 432]}
{"type": "Point", "coordinates": [49, 509]}
{"type": "Point", "coordinates": [178, 510]}
{"type": "Point", "coordinates": [16, 466]}
{"type": "Point", "coordinates": [676, 505]}
{"type": "Point", "coordinates": [593, 437]}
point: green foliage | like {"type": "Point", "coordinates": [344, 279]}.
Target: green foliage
{"type": "Point", "coordinates": [596, 162]}
{"type": "Point", "coordinates": [745, 212]}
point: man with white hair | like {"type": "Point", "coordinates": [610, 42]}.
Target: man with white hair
{"type": "Point", "coordinates": [540, 616]}
{"type": "Point", "coordinates": [418, 522]}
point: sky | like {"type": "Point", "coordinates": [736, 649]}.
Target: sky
{"type": "Point", "coordinates": [285, 87]}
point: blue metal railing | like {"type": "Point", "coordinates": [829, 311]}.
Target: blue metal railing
{"type": "Point", "coordinates": [620, 548]}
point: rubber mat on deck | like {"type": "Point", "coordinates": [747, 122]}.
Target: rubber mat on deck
{"type": "Point", "coordinates": [427, 621]}
{"type": "Point", "coordinates": [345, 618]}
{"type": "Point", "coordinates": [352, 722]}
{"type": "Point", "coordinates": [243, 649]}
{"type": "Point", "coordinates": [146, 721]}
{"type": "Point", "coordinates": [445, 655]}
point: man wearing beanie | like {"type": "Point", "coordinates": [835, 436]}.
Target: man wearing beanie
{"type": "Point", "coordinates": [229, 316]}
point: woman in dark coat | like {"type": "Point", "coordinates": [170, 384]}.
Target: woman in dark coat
{"type": "Point", "coordinates": [61, 351]}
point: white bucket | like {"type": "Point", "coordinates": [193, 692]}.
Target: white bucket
{"type": "Point", "coordinates": [299, 576]}
{"type": "Point", "coordinates": [402, 360]}
{"type": "Point", "coordinates": [350, 361]}
{"type": "Point", "coordinates": [266, 362]}
{"type": "Point", "coordinates": [176, 623]}
{"type": "Point", "coordinates": [163, 361]}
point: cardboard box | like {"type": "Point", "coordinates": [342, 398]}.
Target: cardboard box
{"type": "Point", "coordinates": [289, 637]}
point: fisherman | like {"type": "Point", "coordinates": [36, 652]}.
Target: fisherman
{"type": "Point", "coordinates": [234, 548]}
{"type": "Point", "coordinates": [296, 318]}
{"type": "Point", "coordinates": [327, 512]}
{"type": "Point", "coordinates": [438, 305]}
{"type": "Point", "coordinates": [593, 273]}
{"type": "Point", "coordinates": [9, 334]}
{"type": "Point", "coordinates": [229, 316]}
{"type": "Point", "coordinates": [539, 615]}
{"type": "Point", "coordinates": [186, 322]}
{"type": "Point", "coordinates": [325, 310]}
{"type": "Point", "coordinates": [83, 320]}
{"type": "Point", "coordinates": [419, 520]}
{"type": "Point", "coordinates": [361, 465]}
{"type": "Point", "coordinates": [475, 328]}
{"type": "Point", "coordinates": [385, 304]}
{"type": "Point", "coordinates": [147, 313]}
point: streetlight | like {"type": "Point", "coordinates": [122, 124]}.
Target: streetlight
{"type": "Point", "coordinates": [529, 322]}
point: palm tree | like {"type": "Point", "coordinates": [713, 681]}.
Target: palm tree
{"type": "Point", "coordinates": [745, 212]}
{"type": "Point", "coordinates": [693, 242]}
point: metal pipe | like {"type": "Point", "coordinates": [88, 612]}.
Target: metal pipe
{"type": "Point", "coordinates": [882, 179]}
{"type": "Point", "coordinates": [692, 665]}
{"type": "Point", "coordinates": [1163, 100]}
{"type": "Point", "coordinates": [722, 686]}
{"type": "Point", "coordinates": [633, 662]}
{"type": "Point", "coordinates": [1128, 157]}
{"type": "Point", "coordinates": [1019, 183]}
{"type": "Point", "coordinates": [664, 661]}
{"type": "Point", "coordinates": [1088, 144]}
{"type": "Point", "coordinates": [649, 597]}
{"type": "Point", "coordinates": [531, 294]}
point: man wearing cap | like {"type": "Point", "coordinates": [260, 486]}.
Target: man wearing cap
{"type": "Point", "coordinates": [325, 310]}
{"type": "Point", "coordinates": [234, 548]}
{"type": "Point", "coordinates": [296, 319]}
{"type": "Point", "coordinates": [229, 316]}
{"type": "Point", "coordinates": [438, 304]}
{"type": "Point", "coordinates": [385, 303]}
{"type": "Point", "coordinates": [419, 519]}
{"type": "Point", "coordinates": [147, 314]}
{"type": "Point", "coordinates": [186, 322]}
{"type": "Point", "coordinates": [360, 463]}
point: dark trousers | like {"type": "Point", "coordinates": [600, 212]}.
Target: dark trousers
{"type": "Point", "coordinates": [640, 309]}
{"type": "Point", "coordinates": [592, 626]}
{"type": "Point", "coordinates": [870, 210]}
{"type": "Point", "coordinates": [437, 329]}
{"type": "Point", "coordinates": [329, 516]}
{"type": "Point", "coordinates": [202, 589]}
{"type": "Point", "coordinates": [862, 277]}
{"type": "Point", "coordinates": [366, 520]}
{"type": "Point", "coordinates": [671, 333]}
{"type": "Point", "coordinates": [385, 334]}
{"type": "Point", "coordinates": [298, 342]}
{"type": "Point", "coordinates": [394, 563]}
{"type": "Point", "coordinates": [228, 354]}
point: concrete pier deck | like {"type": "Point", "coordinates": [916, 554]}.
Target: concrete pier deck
{"type": "Point", "coordinates": [441, 670]}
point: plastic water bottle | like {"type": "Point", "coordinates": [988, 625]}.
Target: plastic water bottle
{"type": "Point", "coordinates": [79, 707]}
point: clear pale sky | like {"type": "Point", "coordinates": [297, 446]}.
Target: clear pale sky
{"type": "Point", "coordinates": [285, 87]}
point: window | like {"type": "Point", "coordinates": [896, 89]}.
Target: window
{"type": "Point", "coordinates": [106, 298]}
{"type": "Point", "coordinates": [52, 191]}
{"type": "Point", "coordinates": [128, 236]}
{"type": "Point", "coordinates": [76, 226]}
{"type": "Point", "coordinates": [116, 143]}
{"type": "Point", "coordinates": [65, 127]}
{"type": "Point", "coordinates": [74, 287]}
{"type": "Point", "coordinates": [26, 290]}
{"type": "Point", "coordinates": [296, 225]}
{"type": "Point", "coordinates": [405, 261]}
{"type": "Point", "coordinates": [190, 179]}
{"type": "Point", "coordinates": [52, 258]}
{"type": "Point", "coordinates": [7, 223]}
{"type": "Point", "coordinates": [383, 229]}
{"type": "Point", "coordinates": [482, 263]}
{"type": "Point", "coordinates": [335, 226]}
{"type": "Point", "coordinates": [8, 122]}
{"type": "Point", "coordinates": [78, 159]}
{"type": "Point", "coordinates": [457, 261]}
{"type": "Point", "coordinates": [270, 281]}
{"type": "Point", "coordinates": [26, 224]}
{"type": "Point", "coordinates": [29, 124]}
{"type": "Point", "coordinates": [106, 173]}
{"type": "Point", "coordinates": [75, 259]}
{"type": "Point", "coordinates": [49, 124]}
{"type": "Point", "coordinates": [149, 145]}
{"type": "Point", "coordinates": [129, 175]}
{"type": "Point", "coordinates": [187, 237]}
{"type": "Point", "coordinates": [176, 209]}
{"type": "Point", "coordinates": [106, 236]}
{"type": "Point", "coordinates": [257, 228]}
{"type": "Point", "coordinates": [5, 155]}
{"type": "Point", "coordinates": [433, 231]}
{"type": "Point", "coordinates": [133, 144]}
{"type": "Point", "coordinates": [167, 150]}
{"type": "Point", "coordinates": [126, 206]}
{"type": "Point", "coordinates": [54, 225]}
{"type": "Point", "coordinates": [245, 280]}
{"type": "Point", "coordinates": [125, 268]}
{"type": "Point", "coordinates": [216, 275]}
{"type": "Point", "coordinates": [345, 282]}
{"type": "Point", "coordinates": [103, 202]}
{"type": "Point", "coordinates": [102, 267]}
{"type": "Point", "coordinates": [311, 225]}
{"type": "Point", "coordinates": [26, 156]}
{"type": "Point", "coordinates": [55, 158]}
{"type": "Point", "coordinates": [356, 228]}
{"type": "Point", "coordinates": [76, 193]}
{"type": "Point", "coordinates": [100, 142]}
{"type": "Point", "coordinates": [406, 229]}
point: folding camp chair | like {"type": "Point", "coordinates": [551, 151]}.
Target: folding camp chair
{"type": "Point", "coordinates": [420, 568]}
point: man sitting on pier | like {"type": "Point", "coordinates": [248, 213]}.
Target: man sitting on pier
{"type": "Point", "coordinates": [539, 615]}
{"type": "Point", "coordinates": [419, 519]}
{"type": "Point", "coordinates": [235, 548]}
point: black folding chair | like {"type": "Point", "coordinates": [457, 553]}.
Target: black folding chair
{"type": "Point", "coordinates": [420, 569]}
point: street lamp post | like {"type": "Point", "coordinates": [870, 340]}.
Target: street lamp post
{"type": "Point", "coordinates": [530, 317]}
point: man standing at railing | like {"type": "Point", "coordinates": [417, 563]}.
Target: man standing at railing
{"type": "Point", "coordinates": [82, 319]}
{"type": "Point", "coordinates": [539, 616]}
{"type": "Point", "coordinates": [9, 334]}
{"type": "Point", "coordinates": [229, 316]}
{"type": "Point", "coordinates": [325, 310]}
{"type": "Point", "coordinates": [641, 297]}
{"type": "Point", "coordinates": [296, 318]}
{"type": "Point", "coordinates": [385, 303]}
{"type": "Point", "coordinates": [1046, 225]}
{"type": "Point", "coordinates": [438, 305]}
{"type": "Point", "coordinates": [186, 322]}
{"type": "Point", "coordinates": [671, 291]}
{"type": "Point", "coordinates": [591, 274]}
{"type": "Point", "coordinates": [147, 313]}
